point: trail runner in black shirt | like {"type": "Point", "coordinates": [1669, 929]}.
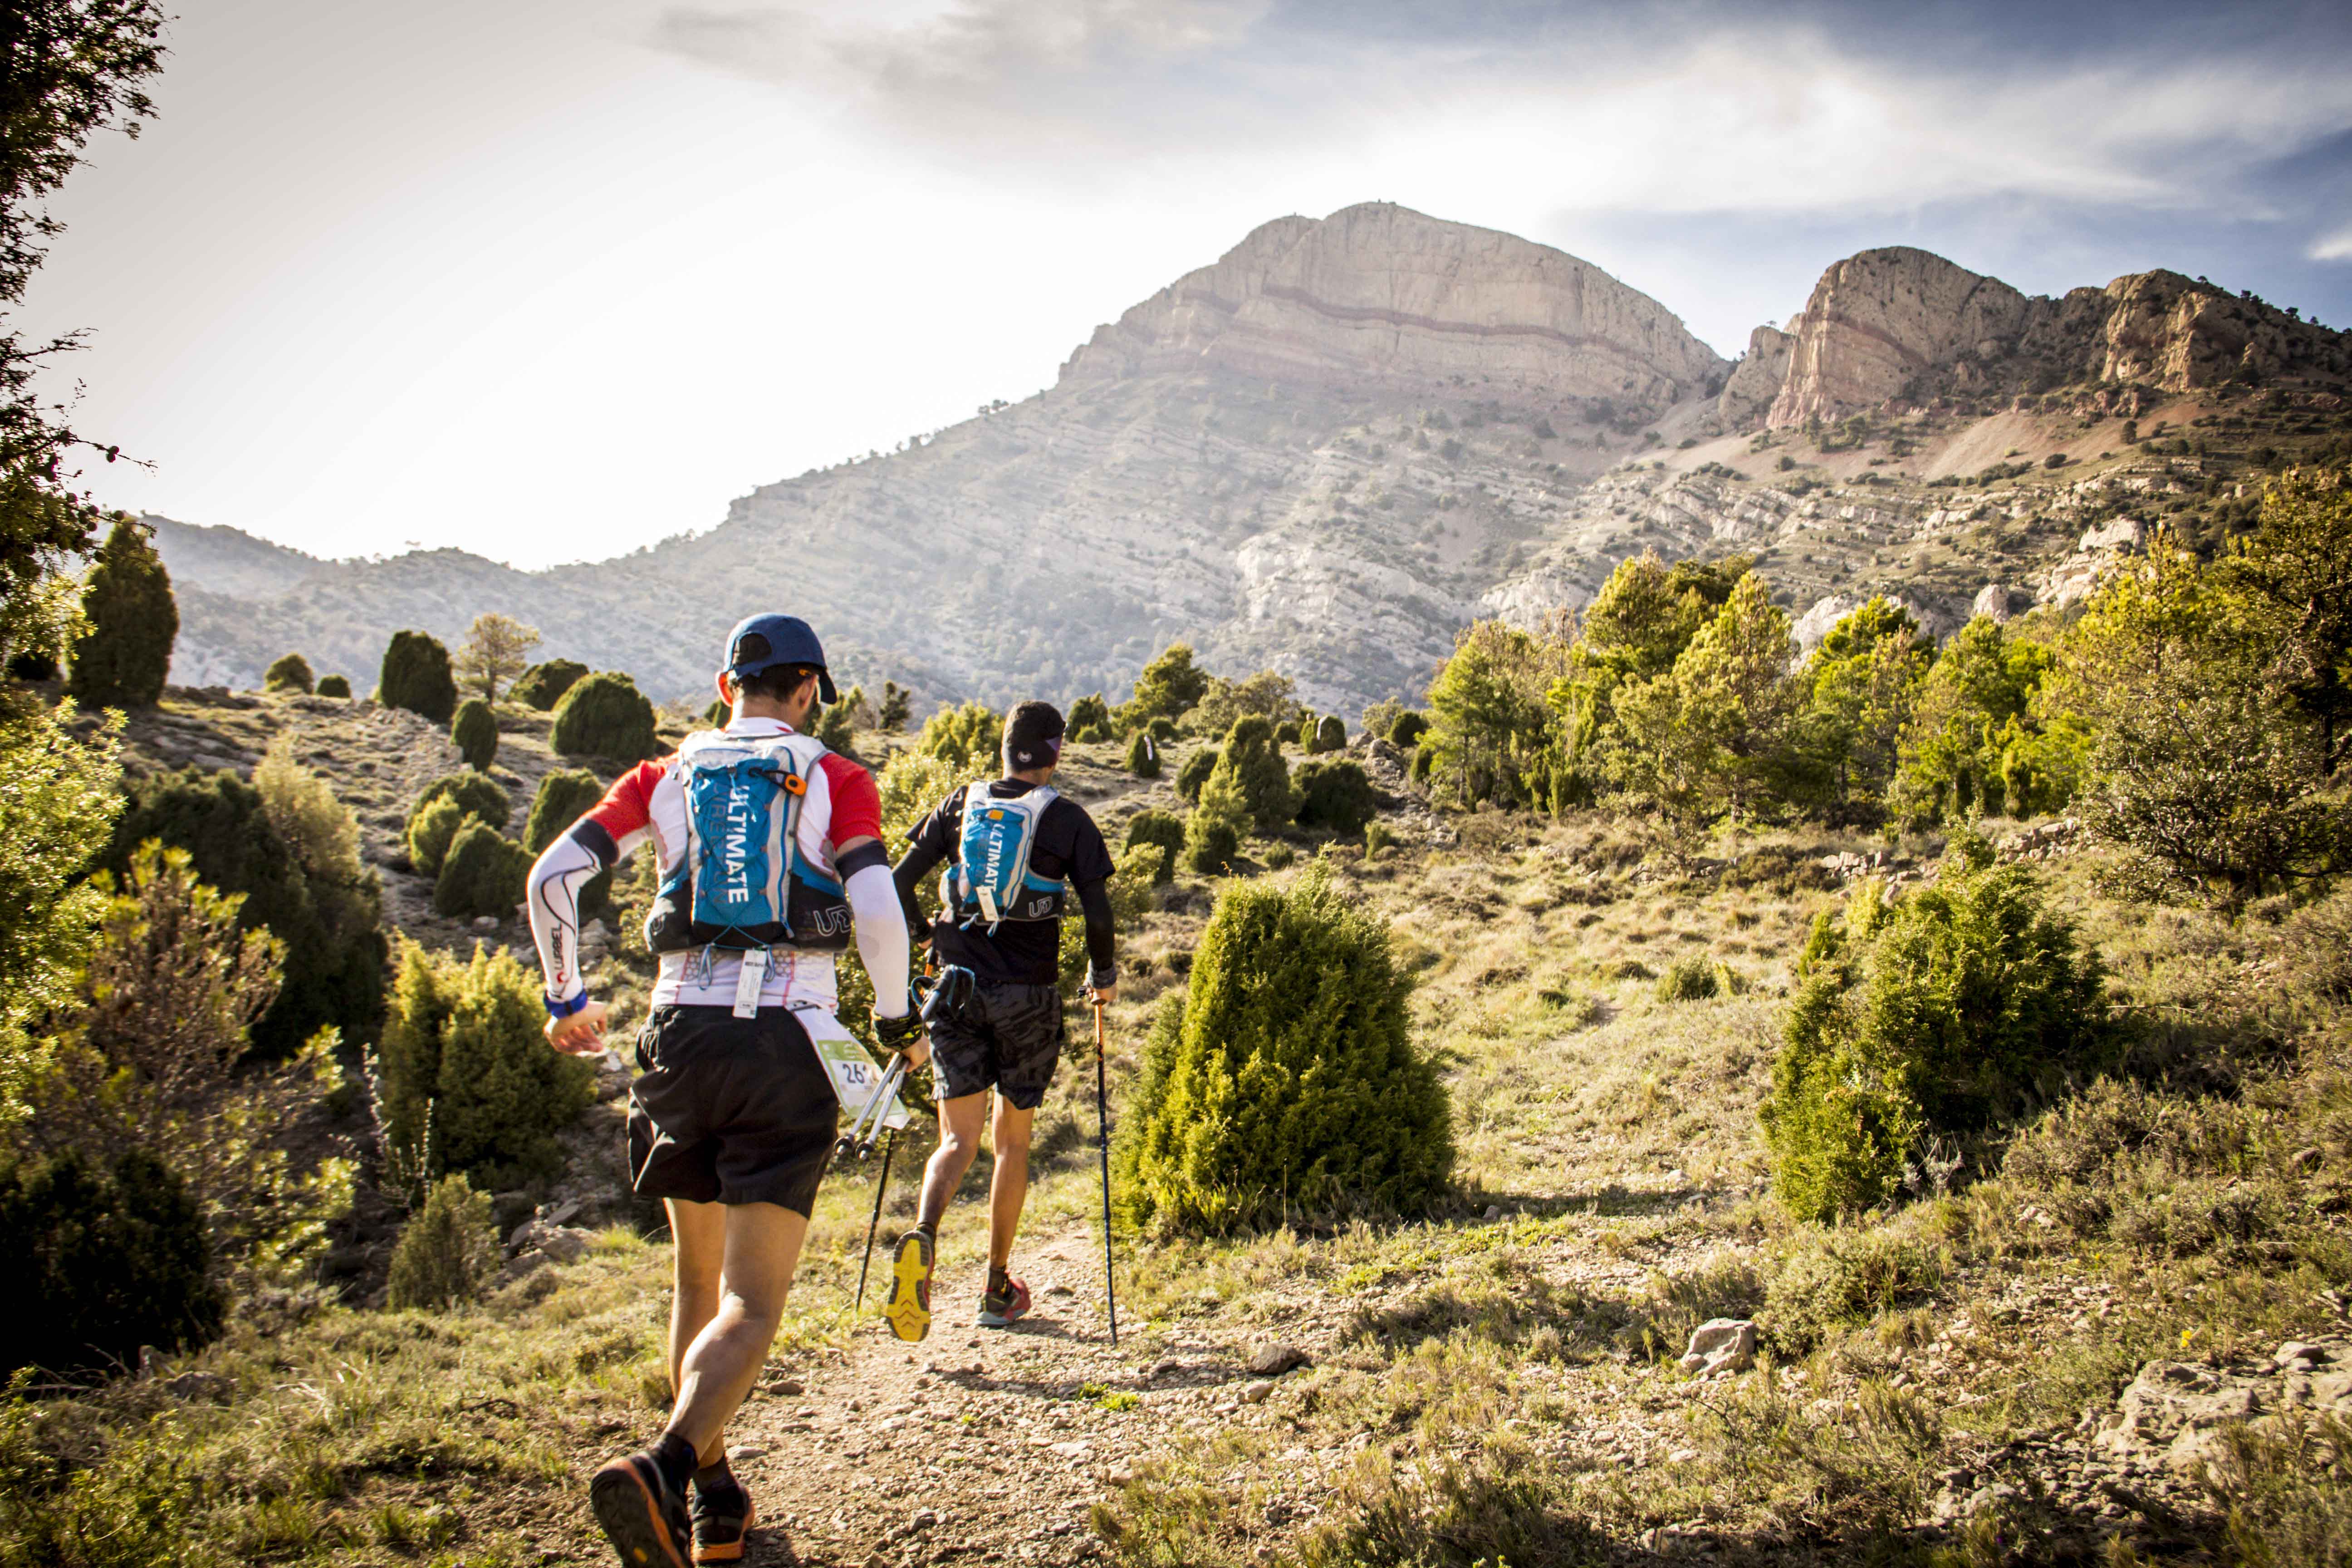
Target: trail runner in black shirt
{"type": "Point", "coordinates": [1004, 1029]}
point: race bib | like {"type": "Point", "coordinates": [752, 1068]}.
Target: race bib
{"type": "Point", "coordinates": [847, 1063]}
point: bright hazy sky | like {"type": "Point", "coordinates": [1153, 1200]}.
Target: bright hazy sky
{"type": "Point", "coordinates": [550, 279]}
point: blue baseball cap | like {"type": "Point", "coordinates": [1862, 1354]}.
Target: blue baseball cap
{"type": "Point", "coordinates": [781, 640]}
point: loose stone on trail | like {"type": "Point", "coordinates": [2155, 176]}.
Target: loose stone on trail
{"type": "Point", "coordinates": [1273, 1360]}
{"type": "Point", "coordinates": [1720, 1345]}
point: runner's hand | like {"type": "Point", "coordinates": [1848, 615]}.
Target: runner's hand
{"type": "Point", "coordinates": [581, 1034]}
{"type": "Point", "coordinates": [904, 1034]}
{"type": "Point", "coordinates": [1103, 996]}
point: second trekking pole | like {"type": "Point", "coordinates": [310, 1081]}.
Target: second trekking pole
{"type": "Point", "coordinates": [1102, 1142]}
{"type": "Point", "coordinates": [881, 1185]}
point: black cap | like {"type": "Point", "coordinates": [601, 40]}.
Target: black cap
{"type": "Point", "coordinates": [1033, 736]}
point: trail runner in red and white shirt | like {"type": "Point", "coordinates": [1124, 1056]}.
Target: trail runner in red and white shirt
{"type": "Point", "coordinates": [733, 1114]}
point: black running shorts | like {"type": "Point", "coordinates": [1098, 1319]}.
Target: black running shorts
{"type": "Point", "coordinates": [1005, 1036]}
{"type": "Point", "coordinates": [729, 1109]}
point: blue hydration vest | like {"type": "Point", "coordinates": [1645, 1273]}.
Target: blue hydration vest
{"type": "Point", "coordinates": [743, 882]}
{"type": "Point", "coordinates": [989, 878]}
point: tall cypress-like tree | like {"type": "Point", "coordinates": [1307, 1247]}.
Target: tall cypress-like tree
{"type": "Point", "coordinates": [131, 622]}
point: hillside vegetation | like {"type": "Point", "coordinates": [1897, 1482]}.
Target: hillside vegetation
{"type": "Point", "coordinates": [1735, 1055]}
{"type": "Point", "coordinates": [1851, 1001]}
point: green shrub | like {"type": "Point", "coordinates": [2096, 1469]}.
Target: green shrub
{"type": "Point", "coordinates": [1844, 1279]}
{"type": "Point", "coordinates": [335, 685]}
{"type": "Point", "coordinates": [1195, 773]}
{"type": "Point", "coordinates": [1964, 1002]}
{"type": "Point", "coordinates": [103, 1262]}
{"type": "Point", "coordinates": [430, 829]}
{"type": "Point", "coordinates": [1687, 979]}
{"type": "Point", "coordinates": [1287, 732]}
{"type": "Point", "coordinates": [1214, 832]}
{"type": "Point", "coordinates": [326, 914]}
{"type": "Point", "coordinates": [416, 676]}
{"type": "Point", "coordinates": [1408, 727]}
{"type": "Point", "coordinates": [1163, 729]}
{"type": "Point", "coordinates": [564, 796]}
{"type": "Point", "coordinates": [1089, 715]}
{"type": "Point", "coordinates": [967, 739]}
{"type": "Point", "coordinates": [478, 797]}
{"type": "Point", "coordinates": [475, 733]}
{"type": "Point", "coordinates": [482, 873]}
{"type": "Point", "coordinates": [604, 715]}
{"type": "Point", "coordinates": [1143, 756]}
{"type": "Point", "coordinates": [153, 1056]}
{"type": "Point", "coordinates": [464, 1080]}
{"type": "Point", "coordinates": [1331, 734]}
{"type": "Point", "coordinates": [449, 1254]}
{"type": "Point", "coordinates": [717, 715]}
{"type": "Point", "coordinates": [1256, 765]}
{"type": "Point", "coordinates": [1289, 1082]}
{"type": "Point", "coordinates": [542, 686]}
{"type": "Point", "coordinates": [130, 621]}
{"type": "Point", "coordinates": [1164, 829]}
{"type": "Point", "coordinates": [290, 673]}
{"type": "Point", "coordinates": [1377, 840]}
{"type": "Point", "coordinates": [1336, 795]}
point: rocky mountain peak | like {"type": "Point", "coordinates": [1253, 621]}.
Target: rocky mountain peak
{"type": "Point", "coordinates": [1381, 293]}
{"type": "Point", "coordinates": [1903, 323]}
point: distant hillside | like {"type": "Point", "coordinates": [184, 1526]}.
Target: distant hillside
{"type": "Point", "coordinates": [1347, 437]}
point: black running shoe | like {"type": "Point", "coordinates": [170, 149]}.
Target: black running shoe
{"type": "Point", "coordinates": [722, 1516]}
{"type": "Point", "coordinates": [643, 1515]}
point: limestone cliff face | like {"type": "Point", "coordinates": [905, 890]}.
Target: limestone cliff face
{"type": "Point", "coordinates": [1385, 294]}
{"type": "Point", "coordinates": [1756, 380]}
{"type": "Point", "coordinates": [1877, 320]}
{"type": "Point", "coordinates": [1905, 324]}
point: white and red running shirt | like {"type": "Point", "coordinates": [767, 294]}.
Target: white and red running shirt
{"type": "Point", "coordinates": [647, 804]}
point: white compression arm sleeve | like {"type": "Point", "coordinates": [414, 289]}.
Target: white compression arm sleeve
{"type": "Point", "coordinates": [552, 893]}
{"type": "Point", "coordinates": [881, 925]}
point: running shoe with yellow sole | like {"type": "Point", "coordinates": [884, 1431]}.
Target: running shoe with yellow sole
{"type": "Point", "coordinates": [909, 1311]}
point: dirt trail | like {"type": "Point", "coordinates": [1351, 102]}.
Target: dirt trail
{"type": "Point", "coordinates": [973, 1445]}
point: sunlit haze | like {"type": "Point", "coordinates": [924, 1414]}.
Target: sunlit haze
{"type": "Point", "coordinates": [551, 279]}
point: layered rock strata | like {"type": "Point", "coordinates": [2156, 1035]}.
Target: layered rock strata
{"type": "Point", "coordinates": [1382, 293]}
{"type": "Point", "coordinates": [1900, 323]}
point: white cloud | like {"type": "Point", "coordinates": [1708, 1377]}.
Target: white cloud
{"type": "Point", "coordinates": [2332, 247]}
{"type": "Point", "coordinates": [1636, 114]}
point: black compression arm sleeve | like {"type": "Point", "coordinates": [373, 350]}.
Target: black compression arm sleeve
{"type": "Point", "coordinates": [908, 873]}
{"type": "Point", "coordinates": [1102, 950]}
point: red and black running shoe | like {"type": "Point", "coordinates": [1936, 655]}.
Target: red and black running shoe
{"type": "Point", "coordinates": [1004, 1303]}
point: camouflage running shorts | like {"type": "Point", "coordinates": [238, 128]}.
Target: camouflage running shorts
{"type": "Point", "coordinates": [1004, 1036]}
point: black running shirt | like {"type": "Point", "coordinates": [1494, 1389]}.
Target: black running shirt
{"type": "Point", "coordinates": [1021, 953]}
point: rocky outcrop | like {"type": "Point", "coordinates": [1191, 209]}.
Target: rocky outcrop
{"type": "Point", "coordinates": [1877, 320]}
{"type": "Point", "coordinates": [1901, 323]}
{"type": "Point", "coordinates": [1756, 380]}
{"type": "Point", "coordinates": [1380, 293]}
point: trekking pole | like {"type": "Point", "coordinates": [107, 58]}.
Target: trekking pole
{"type": "Point", "coordinates": [881, 1185]}
{"type": "Point", "coordinates": [1102, 1142]}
